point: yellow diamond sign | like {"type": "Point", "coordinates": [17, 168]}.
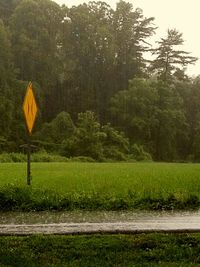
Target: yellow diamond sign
{"type": "Point", "coordinates": [30, 108]}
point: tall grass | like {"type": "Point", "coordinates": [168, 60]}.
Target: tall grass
{"type": "Point", "coordinates": [120, 185]}
{"type": "Point", "coordinates": [106, 178]}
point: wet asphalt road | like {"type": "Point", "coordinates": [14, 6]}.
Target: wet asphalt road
{"type": "Point", "coordinates": [15, 223]}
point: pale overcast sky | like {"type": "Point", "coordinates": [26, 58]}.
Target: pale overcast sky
{"type": "Point", "coordinates": [183, 15]}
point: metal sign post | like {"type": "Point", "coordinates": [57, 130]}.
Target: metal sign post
{"type": "Point", "coordinates": [29, 162]}
{"type": "Point", "coordinates": [30, 111]}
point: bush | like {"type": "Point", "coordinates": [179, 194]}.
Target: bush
{"type": "Point", "coordinates": [12, 157]}
{"type": "Point", "coordinates": [35, 157]}
{"type": "Point", "coordinates": [113, 153]}
{"type": "Point", "coordinates": [46, 157]}
{"type": "Point", "coordinates": [5, 157]}
{"type": "Point", "coordinates": [116, 145]}
{"type": "Point", "coordinates": [18, 157]}
{"type": "Point", "coordinates": [138, 153]}
{"type": "Point", "coordinates": [82, 159]}
{"type": "Point", "coordinates": [59, 129]}
{"type": "Point", "coordinates": [87, 139]}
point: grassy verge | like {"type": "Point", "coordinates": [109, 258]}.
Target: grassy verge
{"type": "Point", "coordinates": [101, 250]}
{"type": "Point", "coordinates": [100, 186]}
{"type": "Point", "coordinates": [28, 199]}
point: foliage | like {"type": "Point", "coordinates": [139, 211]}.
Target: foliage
{"type": "Point", "coordinates": [133, 109]}
{"type": "Point", "coordinates": [43, 156]}
{"type": "Point", "coordinates": [85, 139]}
{"type": "Point", "coordinates": [88, 62]}
{"type": "Point", "coordinates": [115, 144]}
{"type": "Point", "coordinates": [103, 48]}
{"type": "Point", "coordinates": [58, 130]}
{"type": "Point", "coordinates": [88, 136]}
{"type": "Point", "coordinates": [12, 157]}
{"type": "Point", "coordinates": [168, 57]}
{"type": "Point", "coordinates": [131, 32]}
{"type": "Point", "coordinates": [151, 113]}
{"type": "Point", "coordinates": [138, 153]}
{"type": "Point", "coordinates": [81, 159]}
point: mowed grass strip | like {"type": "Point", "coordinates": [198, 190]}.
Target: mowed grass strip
{"type": "Point", "coordinates": [148, 185]}
{"type": "Point", "coordinates": [101, 250]}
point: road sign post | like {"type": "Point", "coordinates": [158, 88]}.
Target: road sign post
{"type": "Point", "coordinates": [30, 111]}
{"type": "Point", "coordinates": [28, 162]}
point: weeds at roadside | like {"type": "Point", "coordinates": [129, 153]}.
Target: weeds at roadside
{"type": "Point", "coordinates": [29, 199]}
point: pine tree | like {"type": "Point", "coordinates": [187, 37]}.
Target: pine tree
{"type": "Point", "coordinates": [168, 58]}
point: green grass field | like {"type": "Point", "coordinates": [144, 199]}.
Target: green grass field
{"type": "Point", "coordinates": [110, 180]}
{"type": "Point", "coordinates": [107, 178]}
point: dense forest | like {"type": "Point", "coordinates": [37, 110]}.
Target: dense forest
{"type": "Point", "coordinates": [98, 94]}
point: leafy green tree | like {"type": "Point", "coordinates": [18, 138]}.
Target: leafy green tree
{"type": "Point", "coordinates": [138, 153]}
{"type": "Point", "coordinates": [6, 111]}
{"type": "Point", "coordinates": [103, 49]}
{"type": "Point", "coordinates": [88, 56]}
{"type": "Point", "coordinates": [131, 30]}
{"type": "Point", "coordinates": [6, 9]}
{"type": "Point", "coordinates": [133, 111]}
{"type": "Point", "coordinates": [151, 113]}
{"type": "Point", "coordinates": [190, 93]}
{"type": "Point", "coordinates": [168, 58]}
{"type": "Point", "coordinates": [6, 81]}
{"type": "Point", "coordinates": [115, 144]}
{"type": "Point", "coordinates": [6, 67]}
{"type": "Point", "coordinates": [88, 136]}
{"type": "Point", "coordinates": [195, 149]}
{"type": "Point", "coordinates": [59, 130]}
{"type": "Point", "coordinates": [91, 57]}
{"type": "Point", "coordinates": [170, 120]}
{"type": "Point", "coordinates": [35, 27]}
{"type": "Point", "coordinates": [62, 127]}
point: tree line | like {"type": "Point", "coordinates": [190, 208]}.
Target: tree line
{"type": "Point", "coordinates": [98, 94]}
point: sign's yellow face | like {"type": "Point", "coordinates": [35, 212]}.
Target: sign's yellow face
{"type": "Point", "coordinates": [30, 108]}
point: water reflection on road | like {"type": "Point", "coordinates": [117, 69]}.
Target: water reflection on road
{"type": "Point", "coordinates": [97, 217]}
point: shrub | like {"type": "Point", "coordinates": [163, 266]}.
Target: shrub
{"type": "Point", "coordinates": [113, 153]}
{"type": "Point", "coordinates": [18, 157]}
{"type": "Point", "coordinates": [46, 157]}
{"type": "Point", "coordinates": [59, 129]}
{"type": "Point", "coordinates": [82, 159]}
{"type": "Point", "coordinates": [12, 157]}
{"type": "Point", "coordinates": [138, 153]}
{"type": "Point", "coordinates": [116, 145]}
{"type": "Point", "coordinates": [88, 138]}
{"type": "Point", "coordinates": [35, 157]}
{"type": "Point", "coordinates": [5, 157]}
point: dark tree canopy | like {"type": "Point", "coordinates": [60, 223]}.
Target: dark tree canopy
{"type": "Point", "coordinates": [98, 96]}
